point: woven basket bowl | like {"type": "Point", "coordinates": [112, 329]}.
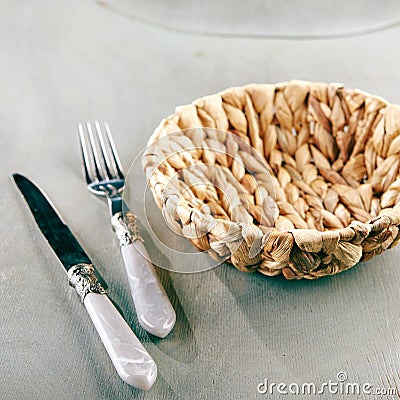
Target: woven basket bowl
{"type": "Point", "coordinates": [332, 158]}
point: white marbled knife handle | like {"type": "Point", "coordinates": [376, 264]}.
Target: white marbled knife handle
{"type": "Point", "coordinates": [131, 360]}
{"type": "Point", "coordinates": [153, 307]}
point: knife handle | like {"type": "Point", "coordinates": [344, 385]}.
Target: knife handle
{"type": "Point", "coordinates": [131, 360]}
{"type": "Point", "coordinates": [153, 308]}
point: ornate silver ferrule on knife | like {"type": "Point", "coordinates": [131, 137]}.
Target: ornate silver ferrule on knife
{"type": "Point", "coordinates": [131, 360]}
{"type": "Point", "coordinates": [83, 278]}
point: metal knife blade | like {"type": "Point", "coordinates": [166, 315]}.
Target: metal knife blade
{"type": "Point", "coordinates": [59, 236]}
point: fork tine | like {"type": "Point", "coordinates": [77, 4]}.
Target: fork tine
{"type": "Point", "coordinates": [85, 156]}
{"type": "Point", "coordinates": [96, 159]}
{"type": "Point", "coordinates": [114, 153]}
{"type": "Point", "coordinates": [103, 150]}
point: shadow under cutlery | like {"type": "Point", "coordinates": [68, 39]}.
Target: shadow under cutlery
{"type": "Point", "coordinates": [180, 344]}
{"type": "Point", "coordinates": [181, 337]}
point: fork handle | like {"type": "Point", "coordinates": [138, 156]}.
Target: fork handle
{"type": "Point", "coordinates": [153, 308]}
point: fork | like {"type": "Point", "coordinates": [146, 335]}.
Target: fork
{"type": "Point", "coordinates": [104, 177]}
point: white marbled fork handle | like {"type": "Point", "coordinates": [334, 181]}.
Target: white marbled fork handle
{"type": "Point", "coordinates": [153, 308]}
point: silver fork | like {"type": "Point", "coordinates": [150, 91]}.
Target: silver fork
{"type": "Point", "coordinates": [105, 177]}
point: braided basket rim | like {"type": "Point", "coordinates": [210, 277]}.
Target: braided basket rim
{"type": "Point", "coordinates": [297, 252]}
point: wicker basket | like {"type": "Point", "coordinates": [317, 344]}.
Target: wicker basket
{"type": "Point", "coordinates": [330, 154]}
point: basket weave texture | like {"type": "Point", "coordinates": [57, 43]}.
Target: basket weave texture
{"type": "Point", "coordinates": [332, 194]}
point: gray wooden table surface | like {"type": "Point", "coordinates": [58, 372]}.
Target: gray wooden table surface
{"type": "Point", "coordinates": [131, 63]}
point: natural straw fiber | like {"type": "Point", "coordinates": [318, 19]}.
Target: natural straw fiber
{"type": "Point", "coordinates": [332, 159]}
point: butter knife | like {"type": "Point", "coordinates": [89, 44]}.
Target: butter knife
{"type": "Point", "coordinates": [131, 360]}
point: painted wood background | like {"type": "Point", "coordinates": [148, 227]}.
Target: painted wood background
{"type": "Point", "coordinates": [131, 63]}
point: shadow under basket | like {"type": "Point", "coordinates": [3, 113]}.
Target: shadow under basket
{"type": "Point", "coordinates": [297, 178]}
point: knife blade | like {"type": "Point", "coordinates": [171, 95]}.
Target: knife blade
{"type": "Point", "coordinates": [54, 229]}
{"type": "Point", "coordinates": [131, 360]}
